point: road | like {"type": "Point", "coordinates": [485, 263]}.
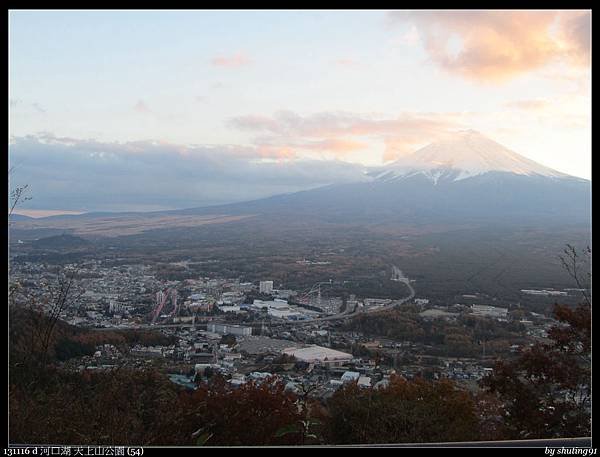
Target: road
{"type": "Point", "coordinates": [397, 275]}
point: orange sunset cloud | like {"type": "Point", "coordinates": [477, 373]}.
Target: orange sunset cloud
{"type": "Point", "coordinates": [494, 46]}
{"type": "Point", "coordinates": [233, 61]}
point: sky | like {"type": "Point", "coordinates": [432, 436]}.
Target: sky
{"type": "Point", "coordinates": [144, 110]}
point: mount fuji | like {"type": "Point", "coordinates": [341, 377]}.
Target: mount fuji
{"type": "Point", "coordinates": [460, 156]}
{"type": "Point", "coordinates": [466, 178]}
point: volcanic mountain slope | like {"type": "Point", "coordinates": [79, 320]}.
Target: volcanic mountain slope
{"type": "Point", "coordinates": [464, 179]}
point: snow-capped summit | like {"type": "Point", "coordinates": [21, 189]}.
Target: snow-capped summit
{"type": "Point", "coordinates": [462, 155]}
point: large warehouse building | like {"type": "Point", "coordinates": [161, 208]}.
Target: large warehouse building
{"type": "Point", "coordinates": [319, 355]}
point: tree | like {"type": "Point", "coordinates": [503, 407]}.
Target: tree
{"type": "Point", "coordinates": [572, 263]}
{"type": "Point", "coordinates": [228, 339]}
{"type": "Point", "coordinates": [309, 422]}
{"type": "Point", "coordinates": [252, 414]}
{"type": "Point", "coordinates": [17, 195]}
{"type": "Point", "coordinates": [546, 391]}
{"type": "Point", "coordinates": [32, 325]}
{"type": "Point", "coordinates": [116, 407]}
{"type": "Point", "coordinates": [416, 411]}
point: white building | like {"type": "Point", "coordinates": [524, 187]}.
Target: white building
{"type": "Point", "coordinates": [228, 298]}
{"type": "Point", "coordinates": [230, 308]}
{"type": "Point", "coordinates": [490, 311]}
{"type": "Point", "coordinates": [351, 376]}
{"type": "Point", "coordinates": [285, 314]}
{"type": "Point", "coordinates": [364, 381]}
{"type": "Point", "coordinates": [115, 307]}
{"type": "Point", "coordinates": [284, 293]}
{"type": "Point", "coordinates": [276, 308]}
{"type": "Point", "coordinates": [319, 355]}
{"type": "Point", "coordinates": [200, 368]}
{"type": "Point", "coordinates": [544, 292]}
{"type": "Point", "coordinates": [258, 376]}
{"type": "Point", "coordinates": [225, 329]}
{"type": "Point", "coordinates": [270, 304]}
{"type": "Point", "coordinates": [265, 287]}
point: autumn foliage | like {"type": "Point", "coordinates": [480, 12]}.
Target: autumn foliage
{"type": "Point", "coordinates": [251, 414]}
{"type": "Point", "coordinates": [416, 411]}
{"type": "Point", "coordinates": [546, 392]}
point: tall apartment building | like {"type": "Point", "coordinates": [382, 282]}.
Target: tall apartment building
{"type": "Point", "coordinates": [266, 287]}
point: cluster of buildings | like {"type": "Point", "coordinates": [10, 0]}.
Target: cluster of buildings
{"type": "Point", "coordinates": [102, 294]}
{"type": "Point", "coordinates": [265, 345]}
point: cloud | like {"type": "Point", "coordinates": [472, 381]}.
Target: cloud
{"type": "Point", "coordinates": [141, 107]}
{"type": "Point", "coordinates": [495, 46]}
{"type": "Point", "coordinates": [13, 102]}
{"type": "Point", "coordinates": [411, 37]}
{"type": "Point", "coordinates": [345, 62]}
{"type": "Point", "coordinates": [528, 104]}
{"type": "Point", "coordinates": [75, 174]}
{"type": "Point", "coordinates": [340, 123]}
{"type": "Point", "coordinates": [256, 122]}
{"type": "Point", "coordinates": [289, 148]}
{"type": "Point", "coordinates": [340, 146]}
{"type": "Point", "coordinates": [282, 153]}
{"type": "Point", "coordinates": [577, 34]}
{"type": "Point", "coordinates": [233, 61]}
{"type": "Point", "coordinates": [336, 132]}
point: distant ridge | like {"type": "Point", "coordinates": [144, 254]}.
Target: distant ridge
{"type": "Point", "coordinates": [20, 217]}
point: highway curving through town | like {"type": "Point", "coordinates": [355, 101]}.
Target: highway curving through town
{"type": "Point", "coordinates": [397, 275]}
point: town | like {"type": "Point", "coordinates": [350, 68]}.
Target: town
{"type": "Point", "coordinates": [245, 331]}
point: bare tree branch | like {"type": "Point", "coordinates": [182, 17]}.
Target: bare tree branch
{"type": "Point", "coordinates": [571, 262]}
{"type": "Point", "coordinates": [17, 195]}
